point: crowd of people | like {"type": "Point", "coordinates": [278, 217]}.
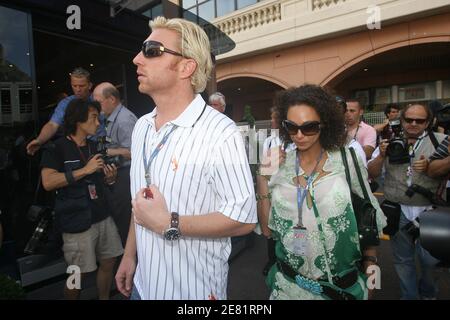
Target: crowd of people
{"type": "Point", "coordinates": [166, 192]}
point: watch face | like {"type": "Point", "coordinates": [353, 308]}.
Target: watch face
{"type": "Point", "coordinates": [172, 234]}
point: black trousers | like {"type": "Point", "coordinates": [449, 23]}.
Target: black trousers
{"type": "Point", "coordinates": [119, 201]}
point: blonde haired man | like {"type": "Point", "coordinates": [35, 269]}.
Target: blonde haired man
{"type": "Point", "coordinates": [190, 180]}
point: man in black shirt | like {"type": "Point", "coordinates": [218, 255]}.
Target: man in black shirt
{"type": "Point", "coordinates": [71, 167]}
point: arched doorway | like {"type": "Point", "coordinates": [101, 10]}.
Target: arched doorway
{"type": "Point", "coordinates": [410, 73]}
{"type": "Point", "coordinates": [254, 92]}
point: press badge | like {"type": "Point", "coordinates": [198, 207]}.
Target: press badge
{"type": "Point", "coordinates": [92, 191]}
{"type": "Point", "coordinates": [300, 243]}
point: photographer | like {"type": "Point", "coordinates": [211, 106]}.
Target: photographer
{"type": "Point", "coordinates": [119, 126]}
{"type": "Point", "coordinates": [405, 164]}
{"type": "Point", "coordinates": [71, 167]}
{"type": "Point", "coordinates": [391, 112]}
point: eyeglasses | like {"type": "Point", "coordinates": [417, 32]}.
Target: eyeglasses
{"type": "Point", "coordinates": [418, 121]}
{"type": "Point", "coordinates": [308, 128]}
{"type": "Point", "coordinates": [151, 49]}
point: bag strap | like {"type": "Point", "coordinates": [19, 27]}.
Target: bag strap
{"type": "Point", "coordinates": [433, 139]}
{"type": "Point", "coordinates": [358, 173]}
{"type": "Point", "coordinates": [347, 171]}
{"type": "Point", "coordinates": [38, 186]}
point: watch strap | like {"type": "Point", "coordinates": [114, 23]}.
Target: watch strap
{"type": "Point", "coordinates": [174, 220]}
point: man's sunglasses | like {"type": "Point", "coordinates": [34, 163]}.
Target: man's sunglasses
{"type": "Point", "coordinates": [308, 128]}
{"type": "Point", "coordinates": [418, 121]}
{"type": "Point", "coordinates": [152, 49]}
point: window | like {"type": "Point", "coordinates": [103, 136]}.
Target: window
{"type": "Point", "coordinates": [5, 101]}
{"type": "Point", "coordinates": [382, 95]}
{"type": "Point", "coordinates": [25, 99]}
{"type": "Point", "coordinates": [446, 89]}
{"type": "Point", "coordinates": [245, 3]}
{"type": "Point", "coordinates": [210, 9]}
{"type": "Point", "coordinates": [206, 11]}
{"type": "Point", "coordinates": [154, 12]}
{"type": "Point", "coordinates": [417, 92]}
{"type": "Point", "coordinates": [224, 7]}
{"type": "Point", "coordinates": [15, 68]}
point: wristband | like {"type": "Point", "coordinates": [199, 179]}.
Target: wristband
{"type": "Point", "coordinates": [69, 177]}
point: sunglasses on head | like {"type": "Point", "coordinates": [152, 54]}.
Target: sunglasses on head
{"type": "Point", "coordinates": [152, 49]}
{"type": "Point", "coordinates": [308, 128]}
{"type": "Point", "coordinates": [418, 121]}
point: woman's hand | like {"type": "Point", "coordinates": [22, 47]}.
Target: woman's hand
{"type": "Point", "coordinates": [272, 161]}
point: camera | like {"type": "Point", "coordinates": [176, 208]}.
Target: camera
{"type": "Point", "coordinates": [397, 151]}
{"type": "Point", "coordinates": [45, 216]}
{"type": "Point", "coordinates": [443, 115]}
{"type": "Point", "coordinates": [102, 149]}
{"type": "Point", "coordinates": [430, 196]}
{"type": "Point", "coordinates": [413, 229]}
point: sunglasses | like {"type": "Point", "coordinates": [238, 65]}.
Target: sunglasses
{"type": "Point", "coordinates": [308, 128]}
{"type": "Point", "coordinates": [151, 49]}
{"type": "Point", "coordinates": [418, 121]}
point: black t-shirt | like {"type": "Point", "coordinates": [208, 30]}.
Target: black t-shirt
{"type": "Point", "coordinates": [64, 154]}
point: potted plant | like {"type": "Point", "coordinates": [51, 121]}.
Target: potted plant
{"type": "Point", "coordinates": [248, 116]}
{"type": "Point", "coordinates": [10, 289]}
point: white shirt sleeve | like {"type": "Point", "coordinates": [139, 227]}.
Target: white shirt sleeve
{"type": "Point", "coordinates": [233, 180]}
{"type": "Point", "coordinates": [359, 151]}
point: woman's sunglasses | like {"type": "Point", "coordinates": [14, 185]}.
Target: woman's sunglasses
{"type": "Point", "coordinates": [308, 128]}
{"type": "Point", "coordinates": [152, 49]}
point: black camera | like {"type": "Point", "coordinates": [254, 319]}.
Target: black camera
{"type": "Point", "coordinates": [443, 114]}
{"type": "Point", "coordinates": [413, 229]}
{"type": "Point", "coordinates": [430, 196]}
{"type": "Point", "coordinates": [397, 150]}
{"type": "Point", "coordinates": [102, 149]}
{"type": "Point", "coordinates": [45, 216]}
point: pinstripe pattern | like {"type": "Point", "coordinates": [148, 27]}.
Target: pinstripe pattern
{"type": "Point", "coordinates": [441, 151]}
{"type": "Point", "coordinates": [201, 169]}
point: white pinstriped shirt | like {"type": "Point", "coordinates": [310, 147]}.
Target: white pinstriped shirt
{"type": "Point", "coordinates": [202, 168]}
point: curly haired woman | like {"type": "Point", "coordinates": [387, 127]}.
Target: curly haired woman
{"type": "Point", "coordinates": [311, 214]}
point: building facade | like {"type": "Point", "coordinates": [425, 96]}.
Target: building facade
{"type": "Point", "coordinates": [380, 51]}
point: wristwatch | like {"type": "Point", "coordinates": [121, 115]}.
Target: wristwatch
{"type": "Point", "coordinates": [173, 233]}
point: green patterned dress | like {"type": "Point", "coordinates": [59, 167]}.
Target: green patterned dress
{"type": "Point", "coordinates": [331, 196]}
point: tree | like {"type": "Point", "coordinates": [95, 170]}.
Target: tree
{"type": "Point", "coordinates": [248, 116]}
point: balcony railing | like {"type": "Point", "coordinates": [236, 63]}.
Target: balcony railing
{"type": "Point", "coordinates": [251, 19]}
{"type": "Point", "coordinates": [321, 4]}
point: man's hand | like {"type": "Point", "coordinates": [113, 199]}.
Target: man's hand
{"type": "Point", "coordinates": [96, 163]}
{"type": "Point", "coordinates": [383, 147]}
{"type": "Point", "coordinates": [150, 213]}
{"type": "Point", "coordinates": [33, 146]}
{"type": "Point", "coordinates": [420, 165]}
{"type": "Point", "coordinates": [124, 275]}
{"type": "Point", "coordinates": [110, 171]}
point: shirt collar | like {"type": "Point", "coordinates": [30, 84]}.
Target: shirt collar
{"type": "Point", "coordinates": [112, 117]}
{"type": "Point", "coordinates": [190, 115]}
{"type": "Point", "coordinates": [187, 118]}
